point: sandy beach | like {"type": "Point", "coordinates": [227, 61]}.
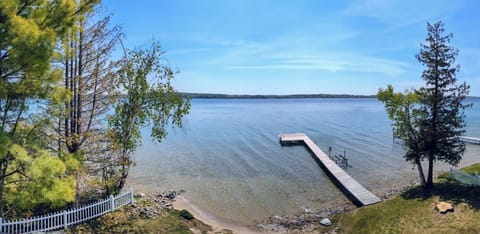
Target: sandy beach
{"type": "Point", "coordinates": [216, 223]}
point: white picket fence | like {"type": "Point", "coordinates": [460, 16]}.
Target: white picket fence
{"type": "Point", "coordinates": [63, 219]}
{"type": "Point", "coordinates": [464, 178]}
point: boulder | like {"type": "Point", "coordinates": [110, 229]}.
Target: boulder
{"type": "Point", "coordinates": [326, 222]}
{"type": "Point", "coordinates": [444, 207]}
{"type": "Point", "coordinates": [140, 195]}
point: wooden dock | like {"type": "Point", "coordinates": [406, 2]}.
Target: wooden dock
{"type": "Point", "coordinates": [470, 140]}
{"type": "Point", "coordinates": [354, 190]}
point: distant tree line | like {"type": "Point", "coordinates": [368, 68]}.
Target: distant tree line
{"type": "Point", "coordinates": [244, 96]}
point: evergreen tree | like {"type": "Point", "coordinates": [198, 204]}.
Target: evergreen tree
{"type": "Point", "coordinates": [29, 32]}
{"type": "Point", "coordinates": [441, 100]}
{"type": "Point", "coordinates": [430, 119]}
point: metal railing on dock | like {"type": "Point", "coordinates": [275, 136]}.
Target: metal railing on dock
{"type": "Point", "coordinates": [338, 157]}
{"type": "Point", "coordinates": [350, 186]}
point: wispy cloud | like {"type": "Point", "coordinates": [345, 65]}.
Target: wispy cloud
{"type": "Point", "coordinates": [350, 63]}
{"type": "Point", "coordinates": [403, 13]}
{"type": "Point", "coordinates": [296, 53]}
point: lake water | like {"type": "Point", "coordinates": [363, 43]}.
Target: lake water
{"type": "Point", "coordinates": [229, 160]}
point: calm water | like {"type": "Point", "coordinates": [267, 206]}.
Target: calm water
{"type": "Point", "coordinates": [231, 165]}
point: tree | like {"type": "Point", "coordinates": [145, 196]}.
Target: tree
{"type": "Point", "coordinates": [80, 124]}
{"type": "Point", "coordinates": [88, 75]}
{"type": "Point", "coordinates": [431, 119]}
{"type": "Point", "coordinates": [147, 98]}
{"type": "Point", "coordinates": [29, 31]}
{"type": "Point", "coordinates": [403, 109]}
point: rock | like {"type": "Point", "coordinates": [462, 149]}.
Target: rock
{"type": "Point", "coordinates": [170, 195]}
{"type": "Point", "coordinates": [277, 218]}
{"type": "Point", "coordinates": [444, 207]}
{"type": "Point", "coordinates": [140, 195]}
{"type": "Point", "coordinates": [326, 222]}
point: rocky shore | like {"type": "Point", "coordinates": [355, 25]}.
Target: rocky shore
{"type": "Point", "coordinates": [306, 221]}
{"type": "Point", "coordinates": [154, 203]}
{"type": "Point", "coordinates": [309, 220]}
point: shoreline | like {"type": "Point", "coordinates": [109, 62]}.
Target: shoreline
{"type": "Point", "coordinates": [306, 221]}
{"type": "Point", "coordinates": [216, 223]}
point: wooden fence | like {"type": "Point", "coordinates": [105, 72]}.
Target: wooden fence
{"type": "Point", "coordinates": [63, 219]}
{"type": "Point", "coordinates": [464, 178]}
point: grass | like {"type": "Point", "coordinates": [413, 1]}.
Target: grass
{"type": "Point", "coordinates": [414, 211]}
{"type": "Point", "coordinates": [128, 220]}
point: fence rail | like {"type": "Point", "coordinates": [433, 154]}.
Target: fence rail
{"type": "Point", "coordinates": [68, 217]}
{"type": "Point", "coordinates": [464, 178]}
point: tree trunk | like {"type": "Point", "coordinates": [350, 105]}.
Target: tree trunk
{"type": "Point", "coordinates": [3, 167]}
{"type": "Point", "coordinates": [420, 173]}
{"type": "Point", "coordinates": [430, 172]}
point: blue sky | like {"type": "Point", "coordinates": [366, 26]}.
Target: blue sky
{"type": "Point", "coordinates": [302, 46]}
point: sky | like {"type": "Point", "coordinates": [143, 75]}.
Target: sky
{"type": "Point", "coordinates": [298, 46]}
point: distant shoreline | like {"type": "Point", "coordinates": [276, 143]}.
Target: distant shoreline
{"type": "Point", "coordinates": [259, 96]}
{"type": "Point", "coordinates": [286, 96]}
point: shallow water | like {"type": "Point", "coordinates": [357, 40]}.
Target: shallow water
{"type": "Point", "coordinates": [229, 160]}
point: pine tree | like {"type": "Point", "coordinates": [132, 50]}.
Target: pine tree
{"type": "Point", "coordinates": [431, 119]}
{"type": "Point", "coordinates": [441, 100]}
{"type": "Point", "coordinates": [29, 32]}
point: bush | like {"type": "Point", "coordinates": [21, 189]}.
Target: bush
{"type": "Point", "coordinates": [185, 214]}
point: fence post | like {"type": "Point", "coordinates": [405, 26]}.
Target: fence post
{"type": "Point", "coordinates": [112, 203]}
{"type": "Point", "coordinates": [1, 225]}
{"type": "Point", "coordinates": [131, 196]}
{"type": "Point", "coordinates": [451, 173]}
{"type": "Point", "coordinates": [65, 223]}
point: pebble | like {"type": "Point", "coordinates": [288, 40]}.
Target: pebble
{"type": "Point", "coordinates": [326, 222]}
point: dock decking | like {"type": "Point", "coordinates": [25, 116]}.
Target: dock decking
{"type": "Point", "coordinates": [354, 190]}
{"type": "Point", "coordinates": [470, 140]}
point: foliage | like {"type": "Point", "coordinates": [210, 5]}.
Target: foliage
{"type": "Point", "coordinates": [442, 100]}
{"type": "Point", "coordinates": [148, 99]}
{"type": "Point", "coordinates": [430, 119]}
{"type": "Point", "coordinates": [80, 119]}
{"type": "Point", "coordinates": [42, 182]}
{"type": "Point", "coordinates": [184, 214]}
{"type": "Point", "coordinates": [57, 84]}
{"type": "Point", "coordinates": [30, 31]}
